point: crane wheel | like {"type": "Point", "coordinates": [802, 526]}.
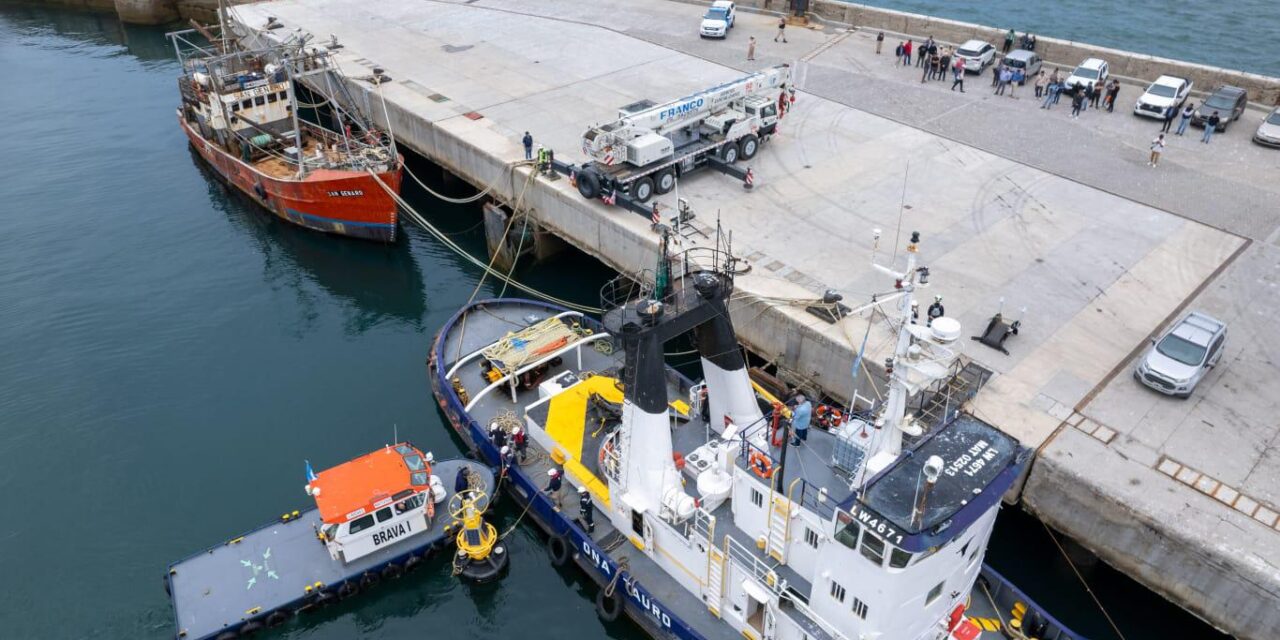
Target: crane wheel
{"type": "Point", "coordinates": [589, 184]}
{"type": "Point", "coordinates": [666, 181]}
{"type": "Point", "coordinates": [748, 147]}
{"type": "Point", "coordinates": [729, 153]}
{"type": "Point", "coordinates": [642, 189]}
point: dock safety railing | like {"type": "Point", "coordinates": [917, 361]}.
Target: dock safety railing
{"type": "Point", "coordinates": [753, 565]}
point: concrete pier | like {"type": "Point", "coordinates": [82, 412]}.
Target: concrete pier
{"type": "Point", "coordinates": [1060, 216]}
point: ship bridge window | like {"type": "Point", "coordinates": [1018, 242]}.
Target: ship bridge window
{"type": "Point", "coordinates": [872, 548]}
{"type": "Point", "coordinates": [418, 478]}
{"type": "Point", "coordinates": [414, 462]}
{"type": "Point", "coordinates": [271, 97]}
{"type": "Point", "coordinates": [898, 558]}
{"type": "Point", "coordinates": [260, 100]}
{"type": "Point", "coordinates": [411, 503]}
{"type": "Point", "coordinates": [360, 524]}
{"type": "Point", "coordinates": [933, 594]}
{"type": "Point", "coordinates": [235, 106]}
{"type": "Point", "coordinates": [848, 534]}
{"type": "Point", "coordinates": [246, 104]}
{"type": "Point", "coordinates": [384, 514]}
{"type": "Point", "coordinates": [404, 450]}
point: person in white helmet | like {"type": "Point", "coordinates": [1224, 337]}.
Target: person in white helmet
{"type": "Point", "coordinates": [915, 312]}
{"type": "Point", "coordinates": [508, 460]}
{"type": "Point", "coordinates": [586, 510]}
{"type": "Point", "coordinates": [554, 482]}
{"type": "Point", "coordinates": [521, 440]}
{"type": "Point", "coordinates": [935, 310]}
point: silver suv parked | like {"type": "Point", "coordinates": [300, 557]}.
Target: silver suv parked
{"type": "Point", "coordinates": [1177, 361]}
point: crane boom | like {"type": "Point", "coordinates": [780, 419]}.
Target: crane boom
{"type": "Point", "coordinates": [678, 113]}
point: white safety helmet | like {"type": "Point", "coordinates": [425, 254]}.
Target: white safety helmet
{"type": "Point", "coordinates": [582, 489]}
{"type": "Point", "coordinates": [493, 426]}
{"type": "Point", "coordinates": [551, 472]}
{"type": "Point", "coordinates": [515, 430]}
{"type": "Point", "coordinates": [937, 298]}
{"type": "Point", "coordinates": [429, 457]}
{"type": "Point", "coordinates": [505, 449]}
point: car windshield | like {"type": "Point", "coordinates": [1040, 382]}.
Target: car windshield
{"type": "Point", "coordinates": [1181, 349]}
{"type": "Point", "coordinates": [970, 53]}
{"type": "Point", "coordinates": [1015, 63]}
{"type": "Point", "coordinates": [1162, 90]}
{"type": "Point", "coordinates": [1088, 74]}
{"type": "Point", "coordinates": [717, 14]}
{"type": "Point", "coordinates": [1220, 102]}
{"type": "Point", "coordinates": [1274, 118]}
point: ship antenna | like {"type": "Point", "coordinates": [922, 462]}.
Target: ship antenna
{"type": "Point", "coordinates": [902, 206]}
{"type": "Point", "coordinates": [395, 433]}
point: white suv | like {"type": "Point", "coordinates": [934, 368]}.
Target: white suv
{"type": "Point", "coordinates": [977, 55]}
{"type": "Point", "coordinates": [1166, 94]}
{"type": "Point", "coordinates": [1093, 71]}
{"type": "Point", "coordinates": [718, 21]}
{"type": "Point", "coordinates": [1178, 360]}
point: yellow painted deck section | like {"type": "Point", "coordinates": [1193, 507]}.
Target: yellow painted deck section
{"type": "Point", "coordinates": [566, 424]}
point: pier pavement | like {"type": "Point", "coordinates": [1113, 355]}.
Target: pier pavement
{"type": "Point", "coordinates": [1060, 216]}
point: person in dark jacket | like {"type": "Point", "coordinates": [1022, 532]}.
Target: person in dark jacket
{"type": "Point", "coordinates": [1113, 91]}
{"type": "Point", "coordinates": [462, 481]}
{"type": "Point", "coordinates": [528, 146]}
{"type": "Point", "coordinates": [586, 510]}
{"type": "Point", "coordinates": [1211, 127]}
{"type": "Point", "coordinates": [1168, 119]}
{"type": "Point", "coordinates": [1077, 102]}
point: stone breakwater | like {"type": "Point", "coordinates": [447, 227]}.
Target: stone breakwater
{"type": "Point", "coordinates": [147, 11]}
{"type": "Point", "coordinates": [1262, 89]}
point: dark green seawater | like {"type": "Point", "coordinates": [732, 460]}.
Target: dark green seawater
{"type": "Point", "coordinates": [169, 356]}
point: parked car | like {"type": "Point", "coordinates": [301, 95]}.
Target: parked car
{"type": "Point", "coordinates": [1090, 72]}
{"type": "Point", "coordinates": [1230, 103]}
{"type": "Point", "coordinates": [977, 55]}
{"type": "Point", "coordinates": [1179, 359]}
{"type": "Point", "coordinates": [1167, 94]}
{"type": "Point", "coordinates": [1028, 61]}
{"type": "Point", "coordinates": [1269, 131]}
{"type": "Point", "coordinates": [718, 20]}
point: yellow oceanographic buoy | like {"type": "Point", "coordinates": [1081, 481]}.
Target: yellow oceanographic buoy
{"type": "Point", "coordinates": [480, 557]}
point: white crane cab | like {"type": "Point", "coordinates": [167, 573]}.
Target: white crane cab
{"type": "Point", "coordinates": [374, 501]}
{"type": "Point", "coordinates": [650, 145]}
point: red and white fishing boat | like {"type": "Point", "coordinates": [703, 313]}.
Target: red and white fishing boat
{"type": "Point", "coordinates": [240, 111]}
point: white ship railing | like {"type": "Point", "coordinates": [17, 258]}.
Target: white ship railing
{"type": "Point", "coordinates": [755, 567]}
{"type": "Point", "coordinates": [809, 613]}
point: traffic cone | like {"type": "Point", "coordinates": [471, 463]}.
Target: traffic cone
{"type": "Point", "coordinates": [749, 180]}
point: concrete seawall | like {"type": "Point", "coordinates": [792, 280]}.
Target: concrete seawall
{"type": "Point", "coordinates": [1064, 53]}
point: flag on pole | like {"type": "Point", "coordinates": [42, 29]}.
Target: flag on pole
{"type": "Point", "coordinates": [311, 475]}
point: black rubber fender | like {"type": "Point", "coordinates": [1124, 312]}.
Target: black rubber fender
{"type": "Point", "coordinates": [227, 635]}
{"type": "Point", "coordinates": [168, 591]}
{"type": "Point", "coordinates": [392, 571]}
{"type": "Point", "coordinates": [609, 607]}
{"type": "Point", "coordinates": [368, 579]}
{"type": "Point", "coordinates": [348, 589]}
{"type": "Point", "coordinates": [558, 550]}
{"type": "Point", "coordinates": [276, 619]}
{"type": "Point", "coordinates": [413, 562]}
{"type": "Point", "coordinates": [249, 628]}
{"type": "Point", "coordinates": [589, 184]}
{"type": "Point", "coordinates": [323, 598]}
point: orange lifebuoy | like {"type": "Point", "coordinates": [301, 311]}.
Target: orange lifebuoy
{"type": "Point", "coordinates": [760, 464]}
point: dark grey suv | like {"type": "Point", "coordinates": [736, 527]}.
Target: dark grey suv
{"type": "Point", "coordinates": [1228, 101]}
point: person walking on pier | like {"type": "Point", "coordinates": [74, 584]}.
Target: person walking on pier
{"type": "Point", "coordinates": [1015, 81]}
{"type": "Point", "coordinates": [1211, 127]}
{"type": "Point", "coordinates": [782, 31]}
{"type": "Point", "coordinates": [1168, 120]}
{"type": "Point", "coordinates": [1005, 77]}
{"type": "Point", "coordinates": [528, 146]}
{"type": "Point", "coordinates": [1042, 80]}
{"type": "Point", "coordinates": [906, 54]}
{"type": "Point", "coordinates": [1077, 102]}
{"type": "Point", "coordinates": [995, 73]}
{"type": "Point", "coordinates": [1113, 91]}
{"type": "Point", "coordinates": [958, 72]}
{"type": "Point", "coordinates": [1095, 95]}
{"type": "Point", "coordinates": [1187, 112]}
{"type": "Point", "coordinates": [1051, 93]}
{"type": "Point", "coordinates": [751, 48]}
{"type": "Point", "coordinates": [946, 63]}
{"type": "Point", "coordinates": [931, 68]}
{"type": "Point", "coordinates": [1008, 40]}
{"type": "Point", "coordinates": [800, 416]}
{"type": "Point", "coordinates": [1157, 146]}
{"type": "Point", "coordinates": [879, 42]}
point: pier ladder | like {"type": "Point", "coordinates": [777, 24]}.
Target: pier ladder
{"type": "Point", "coordinates": [779, 526]}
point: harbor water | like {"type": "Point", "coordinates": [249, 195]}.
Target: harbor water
{"type": "Point", "coordinates": [171, 356]}
{"type": "Point", "coordinates": [1237, 35]}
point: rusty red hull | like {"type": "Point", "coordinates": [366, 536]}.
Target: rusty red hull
{"type": "Point", "coordinates": [343, 202]}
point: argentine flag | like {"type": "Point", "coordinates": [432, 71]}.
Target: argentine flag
{"type": "Point", "coordinates": [311, 475]}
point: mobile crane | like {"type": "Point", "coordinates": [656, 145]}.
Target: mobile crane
{"type": "Point", "coordinates": [650, 145]}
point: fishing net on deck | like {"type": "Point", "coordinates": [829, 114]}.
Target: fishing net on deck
{"type": "Point", "coordinates": [531, 343]}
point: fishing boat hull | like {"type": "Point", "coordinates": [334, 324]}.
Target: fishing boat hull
{"type": "Point", "coordinates": [341, 202]}
{"type": "Point", "coordinates": [652, 606]}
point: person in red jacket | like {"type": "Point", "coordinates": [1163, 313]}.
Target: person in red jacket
{"type": "Point", "coordinates": [906, 53]}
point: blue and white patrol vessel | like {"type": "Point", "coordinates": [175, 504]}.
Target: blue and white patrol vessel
{"type": "Point", "coordinates": [376, 517]}
{"type": "Point", "coordinates": [700, 519]}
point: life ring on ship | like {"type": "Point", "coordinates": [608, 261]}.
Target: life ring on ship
{"type": "Point", "coordinates": [392, 571]}
{"type": "Point", "coordinates": [558, 549]}
{"type": "Point", "coordinates": [761, 465]}
{"type": "Point", "coordinates": [608, 607]}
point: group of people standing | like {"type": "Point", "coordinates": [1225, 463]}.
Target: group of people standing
{"type": "Point", "coordinates": [934, 61]}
